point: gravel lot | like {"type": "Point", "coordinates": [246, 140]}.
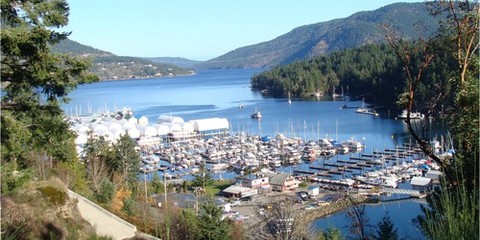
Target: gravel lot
{"type": "Point", "coordinates": [250, 209]}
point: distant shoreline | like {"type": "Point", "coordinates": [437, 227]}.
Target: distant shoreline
{"type": "Point", "coordinates": [143, 78]}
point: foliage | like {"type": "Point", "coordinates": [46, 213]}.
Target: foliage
{"type": "Point", "coordinates": [210, 224]}
{"type": "Point", "coordinates": [451, 212]}
{"type": "Point", "coordinates": [109, 66]}
{"type": "Point", "coordinates": [332, 234]}
{"type": "Point", "coordinates": [106, 192]}
{"type": "Point", "coordinates": [283, 221]}
{"type": "Point", "coordinates": [386, 230]}
{"type": "Point", "coordinates": [12, 179]}
{"type": "Point", "coordinates": [53, 194]}
{"type": "Point", "coordinates": [155, 185]}
{"type": "Point", "coordinates": [359, 222]}
{"type": "Point", "coordinates": [118, 201]}
{"type": "Point", "coordinates": [125, 159]}
{"type": "Point", "coordinates": [203, 178]}
{"type": "Point", "coordinates": [370, 70]}
{"type": "Point", "coordinates": [36, 81]}
{"type": "Point", "coordinates": [188, 227]}
{"type": "Point", "coordinates": [97, 154]}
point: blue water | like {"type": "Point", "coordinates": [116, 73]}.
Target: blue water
{"type": "Point", "coordinates": [218, 93]}
{"type": "Point", "coordinates": [402, 214]}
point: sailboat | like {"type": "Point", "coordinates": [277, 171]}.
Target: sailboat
{"type": "Point", "coordinates": [365, 110]}
{"type": "Point", "coordinates": [289, 101]}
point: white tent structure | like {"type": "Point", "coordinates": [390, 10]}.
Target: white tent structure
{"type": "Point", "coordinates": [170, 119]}
{"type": "Point", "coordinates": [209, 124]}
{"type": "Point", "coordinates": [187, 127]}
{"type": "Point", "coordinates": [147, 131]}
{"type": "Point", "coordinates": [114, 127]}
{"type": "Point", "coordinates": [143, 121]}
{"type": "Point", "coordinates": [127, 125]}
{"type": "Point", "coordinates": [174, 127]}
{"type": "Point", "coordinates": [99, 128]}
{"type": "Point", "coordinates": [81, 129]}
{"type": "Point", "coordinates": [162, 129]}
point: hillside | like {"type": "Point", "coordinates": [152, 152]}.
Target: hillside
{"type": "Point", "coordinates": [111, 67]}
{"type": "Point", "coordinates": [177, 61]}
{"type": "Point", "coordinates": [410, 20]}
{"type": "Point", "coordinates": [43, 210]}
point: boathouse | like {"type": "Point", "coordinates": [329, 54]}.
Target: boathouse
{"type": "Point", "coordinates": [422, 184]}
{"type": "Point", "coordinates": [434, 175]}
{"type": "Point", "coordinates": [283, 182]}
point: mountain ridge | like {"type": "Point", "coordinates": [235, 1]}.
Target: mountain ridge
{"type": "Point", "coordinates": [411, 20]}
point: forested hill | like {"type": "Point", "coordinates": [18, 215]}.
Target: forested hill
{"type": "Point", "coordinates": [177, 61]}
{"type": "Point", "coordinates": [112, 67]}
{"type": "Point", "coordinates": [410, 20]}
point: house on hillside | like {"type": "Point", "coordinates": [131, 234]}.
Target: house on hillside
{"type": "Point", "coordinates": [254, 181]}
{"type": "Point", "coordinates": [283, 182]}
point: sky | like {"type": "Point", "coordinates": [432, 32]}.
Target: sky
{"type": "Point", "coordinates": [197, 29]}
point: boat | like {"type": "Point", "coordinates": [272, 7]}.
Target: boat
{"type": "Point", "coordinates": [413, 115]}
{"type": "Point", "coordinates": [352, 144]}
{"type": "Point", "coordinates": [256, 115]}
{"type": "Point", "coordinates": [365, 110]}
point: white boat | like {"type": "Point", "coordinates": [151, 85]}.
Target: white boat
{"type": "Point", "coordinates": [256, 115]}
{"type": "Point", "coordinates": [365, 110]}
{"type": "Point", "coordinates": [352, 144]}
{"type": "Point", "coordinates": [413, 115]}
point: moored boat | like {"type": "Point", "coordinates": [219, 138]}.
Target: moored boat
{"type": "Point", "coordinates": [256, 115]}
{"type": "Point", "coordinates": [413, 115]}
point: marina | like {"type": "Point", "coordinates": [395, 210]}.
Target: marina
{"type": "Point", "coordinates": [315, 141]}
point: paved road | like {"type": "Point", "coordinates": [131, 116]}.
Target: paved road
{"type": "Point", "coordinates": [104, 222]}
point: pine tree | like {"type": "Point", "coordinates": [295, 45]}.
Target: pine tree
{"type": "Point", "coordinates": [203, 178]}
{"type": "Point", "coordinates": [386, 229]}
{"type": "Point", "coordinates": [36, 82]}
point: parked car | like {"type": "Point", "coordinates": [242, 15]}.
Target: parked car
{"type": "Point", "coordinates": [235, 203]}
{"type": "Point", "coordinates": [310, 207]}
{"type": "Point", "coordinates": [261, 211]}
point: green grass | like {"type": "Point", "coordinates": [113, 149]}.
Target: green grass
{"type": "Point", "coordinates": [217, 187]}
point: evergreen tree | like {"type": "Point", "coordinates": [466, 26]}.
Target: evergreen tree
{"type": "Point", "coordinates": [203, 178]}
{"type": "Point", "coordinates": [36, 82]}
{"type": "Point", "coordinates": [332, 234]}
{"type": "Point", "coordinates": [210, 224]}
{"type": "Point", "coordinates": [125, 160]}
{"type": "Point", "coordinates": [386, 230]}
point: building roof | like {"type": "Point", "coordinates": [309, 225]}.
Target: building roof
{"type": "Point", "coordinates": [234, 189]}
{"type": "Point", "coordinates": [278, 179]}
{"type": "Point", "coordinates": [209, 124]}
{"type": "Point", "coordinates": [420, 181]}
